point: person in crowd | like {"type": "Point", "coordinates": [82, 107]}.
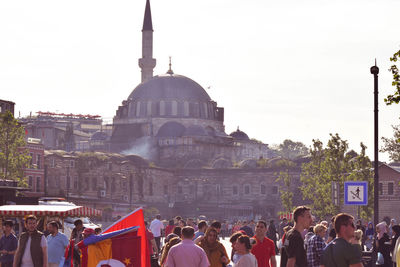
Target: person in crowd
{"type": "Point", "coordinates": [56, 244]}
{"type": "Point", "coordinates": [340, 252]}
{"type": "Point", "coordinates": [360, 226]}
{"type": "Point", "coordinates": [76, 235]}
{"type": "Point", "coordinates": [383, 243]}
{"type": "Point", "coordinates": [168, 245]}
{"type": "Point", "coordinates": [202, 226]}
{"type": "Point", "coordinates": [8, 244]}
{"type": "Point", "coordinates": [332, 231]}
{"type": "Point", "coordinates": [236, 227]}
{"type": "Point", "coordinates": [170, 227]}
{"type": "Point", "coordinates": [395, 243]}
{"type": "Point", "coordinates": [233, 239]}
{"type": "Point", "coordinates": [186, 253]}
{"type": "Point", "coordinates": [177, 220]}
{"type": "Point", "coordinates": [153, 249]}
{"type": "Point", "coordinates": [217, 226]}
{"type": "Point", "coordinates": [243, 247]}
{"type": "Point", "coordinates": [97, 230]}
{"type": "Point", "coordinates": [32, 246]}
{"type": "Point", "coordinates": [357, 239]}
{"type": "Point", "coordinates": [181, 223]}
{"type": "Point", "coordinates": [271, 234]}
{"type": "Point", "coordinates": [294, 242]}
{"type": "Point", "coordinates": [326, 224]}
{"type": "Point", "coordinates": [282, 225]}
{"type": "Point", "coordinates": [247, 229]}
{"type": "Point", "coordinates": [190, 222]}
{"type": "Point", "coordinates": [156, 227]}
{"type": "Point", "coordinates": [215, 251]}
{"type": "Point", "coordinates": [264, 248]}
{"type": "Point", "coordinates": [283, 249]}
{"type": "Point", "coordinates": [392, 223]}
{"type": "Point", "coordinates": [369, 233]}
{"type": "Point", "coordinates": [310, 233]}
{"type": "Point", "coordinates": [315, 246]}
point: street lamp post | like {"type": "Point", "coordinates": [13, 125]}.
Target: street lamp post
{"type": "Point", "coordinates": [375, 70]}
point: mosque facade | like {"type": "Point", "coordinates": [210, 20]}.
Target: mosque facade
{"type": "Point", "coordinates": [171, 120]}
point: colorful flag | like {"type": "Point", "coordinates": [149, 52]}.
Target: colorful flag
{"type": "Point", "coordinates": [69, 252]}
{"type": "Point", "coordinates": [135, 218]}
{"type": "Point", "coordinates": [117, 249]}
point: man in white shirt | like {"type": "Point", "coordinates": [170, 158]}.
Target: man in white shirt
{"type": "Point", "coordinates": [155, 227]}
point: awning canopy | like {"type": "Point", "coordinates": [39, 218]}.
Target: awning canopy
{"type": "Point", "coordinates": [48, 210]}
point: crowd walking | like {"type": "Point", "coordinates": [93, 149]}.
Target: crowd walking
{"type": "Point", "coordinates": [305, 242]}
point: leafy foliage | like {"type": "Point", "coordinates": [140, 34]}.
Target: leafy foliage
{"type": "Point", "coordinates": [286, 193]}
{"type": "Point", "coordinates": [333, 164]}
{"type": "Point", "coordinates": [394, 98]}
{"type": "Point", "coordinates": [13, 158]}
{"type": "Point", "coordinates": [290, 149]}
{"type": "Point", "coordinates": [392, 145]}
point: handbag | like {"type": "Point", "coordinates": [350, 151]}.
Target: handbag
{"type": "Point", "coordinates": [379, 259]}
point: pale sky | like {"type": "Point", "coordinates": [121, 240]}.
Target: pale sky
{"type": "Point", "coordinates": [296, 69]}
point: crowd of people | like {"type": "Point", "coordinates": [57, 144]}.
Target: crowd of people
{"type": "Point", "coordinates": [187, 243]}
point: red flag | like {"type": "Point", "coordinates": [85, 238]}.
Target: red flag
{"type": "Point", "coordinates": [135, 218]}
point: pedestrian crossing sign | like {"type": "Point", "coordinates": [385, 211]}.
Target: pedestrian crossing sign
{"type": "Point", "coordinates": [356, 193]}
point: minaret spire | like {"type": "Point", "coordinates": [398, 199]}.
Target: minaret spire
{"type": "Point", "coordinates": [147, 62]}
{"type": "Point", "coordinates": [170, 67]}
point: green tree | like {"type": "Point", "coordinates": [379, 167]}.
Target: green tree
{"type": "Point", "coordinates": [332, 164]}
{"type": "Point", "coordinates": [285, 192]}
{"type": "Point", "coordinates": [394, 98]}
{"type": "Point", "coordinates": [290, 149]}
{"type": "Point", "coordinates": [13, 157]}
{"type": "Point", "coordinates": [392, 145]}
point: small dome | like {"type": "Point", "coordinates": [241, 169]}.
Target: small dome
{"type": "Point", "coordinates": [171, 129]}
{"type": "Point", "coordinates": [238, 134]}
{"type": "Point", "coordinates": [169, 87]}
{"type": "Point", "coordinates": [195, 130]}
{"type": "Point", "coordinates": [99, 136]}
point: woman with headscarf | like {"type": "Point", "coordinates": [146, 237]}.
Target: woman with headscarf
{"type": "Point", "coordinates": [369, 235]}
{"type": "Point", "coordinates": [271, 234]}
{"type": "Point", "coordinates": [215, 251]}
{"type": "Point", "coordinates": [383, 244]}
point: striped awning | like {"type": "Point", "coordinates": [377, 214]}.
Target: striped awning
{"type": "Point", "coordinates": [48, 210]}
{"type": "Point", "coordinates": [288, 216]}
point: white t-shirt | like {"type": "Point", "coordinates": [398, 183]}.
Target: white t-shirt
{"type": "Point", "coordinates": [27, 258]}
{"type": "Point", "coordinates": [155, 227]}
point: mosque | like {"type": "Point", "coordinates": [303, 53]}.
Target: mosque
{"type": "Point", "coordinates": [170, 120]}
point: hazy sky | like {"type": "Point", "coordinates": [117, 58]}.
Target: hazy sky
{"type": "Point", "coordinates": [295, 69]}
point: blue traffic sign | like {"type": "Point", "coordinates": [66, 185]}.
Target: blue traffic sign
{"type": "Point", "coordinates": [356, 193]}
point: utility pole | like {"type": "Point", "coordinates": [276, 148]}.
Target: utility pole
{"type": "Point", "coordinates": [375, 70]}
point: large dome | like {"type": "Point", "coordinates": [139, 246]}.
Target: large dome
{"type": "Point", "coordinates": [169, 87]}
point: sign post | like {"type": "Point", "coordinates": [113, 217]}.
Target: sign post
{"type": "Point", "coordinates": [356, 193]}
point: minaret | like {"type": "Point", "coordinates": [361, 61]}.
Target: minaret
{"type": "Point", "coordinates": [147, 62]}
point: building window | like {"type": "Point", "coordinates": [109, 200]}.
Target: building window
{"type": "Point", "coordinates": [52, 163]}
{"type": "Point", "coordinates": [72, 164]}
{"type": "Point", "coordinates": [165, 189]}
{"type": "Point", "coordinates": [110, 166]}
{"type": "Point", "coordinates": [180, 189]}
{"type": "Point", "coordinates": [162, 108]}
{"type": "Point", "coordinates": [150, 188]}
{"type": "Point", "coordinates": [263, 189]}
{"type": "Point", "coordinates": [149, 108]}
{"type": "Point", "coordinates": [235, 190]}
{"type": "Point", "coordinates": [38, 161]}
{"type": "Point", "coordinates": [38, 184]}
{"type": "Point", "coordinates": [247, 189]}
{"type": "Point", "coordinates": [174, 108]}
{"type": "Point", "coordinates": [30, 182]}
{"type": "Point", "coordinates": [274, 190]}
{"type": "Point", "coordinates": [137, 109]}
{"type": "Point", "coordinates": [380, 190]}
{"type": "Point", "coordinates": [186, 109]}
{"type": "Point", "coordinates": [76, 183]}
{"type": "Point", "coordinates": [57, 181]}
{"type": "Point", "coordinates": [218, 189]}
{"type": "Point", "coordinates": [94, 184]}
{"type": "Point", "coordinates": [390, 188]}
{"type": "Point", "coordinates": [31, 160]}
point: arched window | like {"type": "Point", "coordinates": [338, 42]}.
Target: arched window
{"type": "Point", "coordinates": [186, 109]}
{"type": "Point", "coordinates": [235, 190]}
{"type": "Point", "coordinates": [162, 108]}
{"type": "Point", "coordinates": [149, 108]}
{"type": "Point", "coordinates": [174, 108]}
{"type": "Point", "coordinates": [205, 110]}
{"type": "Point", "coordinates": [263, 189]}
{"type": "Point", "coordinates": [137, 109]}
{"type": "Point", "coordinates": [246, 189]}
